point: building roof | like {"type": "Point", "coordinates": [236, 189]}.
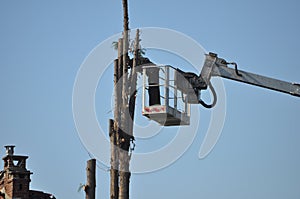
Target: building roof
{"type": "Point", "coordinates": [33, 194]}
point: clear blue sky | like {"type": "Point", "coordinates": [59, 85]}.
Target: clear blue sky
{"type": "Point", "coordinates": [43, 43]}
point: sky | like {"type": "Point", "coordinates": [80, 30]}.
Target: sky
{"type": "Point", "coordinates": [44, 43]}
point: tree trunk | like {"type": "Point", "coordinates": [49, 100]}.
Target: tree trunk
{"type": "Point", "coordinates": [125, 15]}
{"type": "Point", "coordinates": [133, 81]}
{"type": "Point", "coordinates": [114, 162]}
{"type": "Point", "coordinates": [90, 187]}
{"type": "Point", "coordinates": [114, 127]}
{"type": "Point", "coordinates": [124, 174]}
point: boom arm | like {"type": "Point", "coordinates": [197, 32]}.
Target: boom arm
{"type": "Point", "coordinates": [214, 66]}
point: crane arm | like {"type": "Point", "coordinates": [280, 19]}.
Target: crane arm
{"type": "Point", "coordinates": [214, 66]}
{"type": "Point", "coordinates": [257, 80]}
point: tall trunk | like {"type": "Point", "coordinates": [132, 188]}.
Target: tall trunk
{"type": "Point", "coordinates": [91, 179]}
{"type": "Point", "coordinates": [124, 117]}
{"type": "Point", "coordinates": [125, 15]}
{"type": "Point", "coordinates": [114, 126]}
{"type": "Point", "coordinates": [114, 162]}
{"type": "Point", "coordinates": [124, 158]}
{"type": "Point", "coordinates": [133, 81]}
{"type": "Point", "coordinates": [127, 136]}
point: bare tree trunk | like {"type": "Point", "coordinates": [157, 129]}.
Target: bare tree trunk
{"type": "Point", "coordinates": [125, 15]}
{"type": "Point", "coordinates": [124, 174]}
{"type": "Point", "coordinates": [133, 81]}
{"type": "Point", "coordinates": [90, 187]}
{"type": "Point", "coordinates": [120, 79]}
{"type": "Point", "coordinates": [114, 162]}
{"type": "Point", "coordinates": [115, 129]}
{"type": "Point", "coordinates": [125, 55]}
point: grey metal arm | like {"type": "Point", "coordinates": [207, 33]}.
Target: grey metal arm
{"type": "Point", "coordinates": [257, 80]}
{"type": "Point", "coordinates": [214, 66]}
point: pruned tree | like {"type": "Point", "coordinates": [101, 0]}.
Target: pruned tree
{"type": "Point", "coordinates": [121, 134]}
{"type": "Point", "coordinates": [124, 141]}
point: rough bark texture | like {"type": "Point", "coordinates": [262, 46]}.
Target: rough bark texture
{"type": "Point", "coordinates": [133, 82]}
{"type": "Point", "coordinates": [124, 174]}
{"type": "Point", "coordinates": [114, 126]}
{"type": "Point", "coordinates": [128, 121]}
{"type": "Point", "coordinates": [120, 80]}
{"type": "Point", "coordinates": [91, 179]}
{"type": "Point", "coordinates": [125, 15]}
{"type": "Point", "coordinates": [114, 185]}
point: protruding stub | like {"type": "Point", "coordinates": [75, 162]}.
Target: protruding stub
{"type": "Point", "coordinates": [9, 149]}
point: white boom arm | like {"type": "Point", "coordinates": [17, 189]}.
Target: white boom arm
{"type": "Point", "coordinates": [214, 66]}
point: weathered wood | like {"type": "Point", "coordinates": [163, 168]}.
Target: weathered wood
{"type": "Point", "coordinates": [90, 188]}
{"type": "Point", "coordinates": [120, 85]}
{"type": "Point", "coordinates": [124, 140]}
{"type": "Point", "coordinates": [114, 162]}
{"type": "Point", "coordinates": [133, 81]}
{"type": "Point", "coordinates": [117, 95]}
{"type": "Point", "coordinates": [125, 15]}
{"type": "Point", "coordinates": [115, 125]}
{"type": "Point", "coordinates": [124, 154]}
{"type": "Point", "coordinates": [124, 173]}
{"type": "Point", "coordinates": [127, 137]}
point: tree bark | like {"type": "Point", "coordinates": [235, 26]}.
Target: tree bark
{"type": "Point", "coordinates": [114, 162]}
{"type": "Point", "coordinates": [124, 142]}
{"type": "Point", "coordinates": [125, 15]}
{"type": "Point", "coordinates": [133, 81]}
{"type": "Point", "coordinates": [90, 187]}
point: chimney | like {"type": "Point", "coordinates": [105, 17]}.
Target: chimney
{"type": "Point", "coordinates": [9, 149]}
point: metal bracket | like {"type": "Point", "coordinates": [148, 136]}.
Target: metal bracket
{"type": "Point", "coordinates": [206, 72]}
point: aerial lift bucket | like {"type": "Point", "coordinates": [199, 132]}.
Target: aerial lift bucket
{"type": "Point", "coordinates": [163, 99]}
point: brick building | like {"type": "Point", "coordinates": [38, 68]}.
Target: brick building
{"type": "Point", "coordinates": [15, 178]}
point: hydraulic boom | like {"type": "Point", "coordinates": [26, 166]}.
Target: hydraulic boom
{"type": "Point", "coordinates": [215, 66]}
